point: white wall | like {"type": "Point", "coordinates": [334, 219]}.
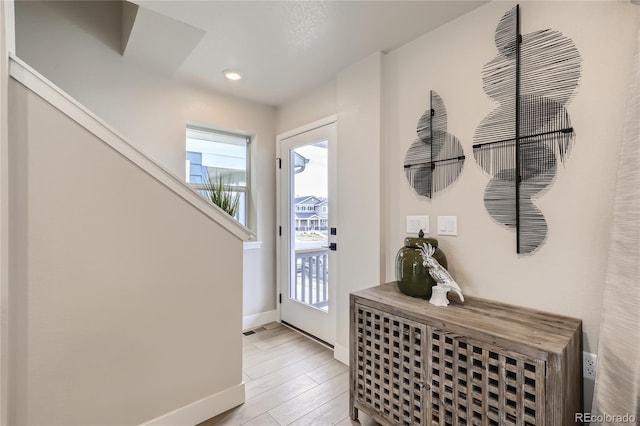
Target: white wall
{"type": "Point", "coordinates": [76, 44]}
{"type": "Point", "coordinates": [566, 274]}
{"type": "Point", "coordinates": [7, 39]}
{"type": "Point", "coordinates": [316, 104]}
{"type": "Point", "coordinates": [359, 104]}
{"type": "Point", "coordinates": [115, 315]}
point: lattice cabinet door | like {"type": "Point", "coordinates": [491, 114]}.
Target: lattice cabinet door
{"type": "Point", "coordinates": [390, 375]}
{"type": "Point", "coordinates": [479, 362]}
{"type": "Point", "coordinates": [472, 383]}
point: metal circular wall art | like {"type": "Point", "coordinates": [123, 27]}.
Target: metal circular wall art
{"type": "Point", "coordinates": [434, 160]}
{"type": "Point", "coordinates": [520, 142]}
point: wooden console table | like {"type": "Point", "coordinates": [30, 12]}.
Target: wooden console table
{"type": "Point", "coordinates": [478, 362]}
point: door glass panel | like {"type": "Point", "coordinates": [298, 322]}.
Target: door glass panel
{"type": "Point", "coordinates": [309, 218]}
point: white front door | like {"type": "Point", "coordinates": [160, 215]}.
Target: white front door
{"type": "Point", "coordinates": [306, 214]}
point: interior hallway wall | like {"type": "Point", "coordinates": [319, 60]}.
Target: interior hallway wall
{"type": "Point", "coordinates": [359, 106]}
{"type": "Point", "coordinates": [314, 105]}
{"type": "Point", "coordinates": [566, 274]}
{"type": "Point", "coordinates": [115, 316]}
{"type": "Point", "coordinates": [75, 45]}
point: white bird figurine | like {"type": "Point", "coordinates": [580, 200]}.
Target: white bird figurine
{"type": "Point", "coordinates": [445, 282]}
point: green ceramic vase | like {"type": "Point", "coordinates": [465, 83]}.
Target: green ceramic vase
{"type": "Point", "coordinates": [413, 278]}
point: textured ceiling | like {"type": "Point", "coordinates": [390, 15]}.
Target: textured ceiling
{"type": "Point", "coordinates": [283, 48]}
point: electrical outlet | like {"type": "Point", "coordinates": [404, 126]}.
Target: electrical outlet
{"type": "Point", "coordinates": [589, 362]}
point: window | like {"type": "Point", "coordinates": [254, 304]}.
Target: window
{"type": "Point", "coordinates": [218, 155]}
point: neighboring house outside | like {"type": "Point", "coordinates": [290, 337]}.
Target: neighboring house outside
{"type": "Point", "coordinates": [311, 213]}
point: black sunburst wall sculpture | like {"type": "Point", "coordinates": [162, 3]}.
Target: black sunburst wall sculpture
{"type": "Point", "coordinates": [519, 143]}
{"type": "Point", "coordinates": [435, 159]}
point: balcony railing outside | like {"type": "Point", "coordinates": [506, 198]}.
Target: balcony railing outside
{"type": "Point", "coordinates": [311, 285]}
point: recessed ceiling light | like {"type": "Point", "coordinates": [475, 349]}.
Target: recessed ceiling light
{"type": "Point", "coordinates": [232, 75]}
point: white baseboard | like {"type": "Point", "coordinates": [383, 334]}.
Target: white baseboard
{"type": "Point", "coordinates": [199, 411]}
{"type": "Point", "coordinates": [256, 320]}
{"type": "Point", "coordinates": [341, 353]}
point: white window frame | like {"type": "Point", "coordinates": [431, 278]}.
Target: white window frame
{"type": "Point", "coordinates": [236, 188]}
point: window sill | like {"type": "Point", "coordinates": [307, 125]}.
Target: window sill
{"type": "Point", "coordinates": [252, 245]}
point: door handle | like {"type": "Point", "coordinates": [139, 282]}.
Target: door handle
{"type": "Point", "coordinates": [331, 246]}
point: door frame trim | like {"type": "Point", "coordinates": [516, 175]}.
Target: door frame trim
{"type": "Point", "coordinates": [279, 139]}
{"type": "Point", "coordinates": [306, 128]}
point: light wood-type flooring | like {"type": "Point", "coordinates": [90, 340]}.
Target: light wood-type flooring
{"type": "Point", "coordinates": [290, 380]}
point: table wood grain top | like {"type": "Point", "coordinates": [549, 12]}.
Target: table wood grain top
{"type": "Point", "coordinates": [486, 320]}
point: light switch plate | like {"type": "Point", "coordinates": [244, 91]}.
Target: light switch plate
{"type": "Point", "coordinates": [447, 225]}
{"type": "Point", "coordinates": [416, 223]}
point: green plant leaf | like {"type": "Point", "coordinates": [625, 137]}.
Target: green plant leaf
{"type": "Point", "coordinates": [222, 195]}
